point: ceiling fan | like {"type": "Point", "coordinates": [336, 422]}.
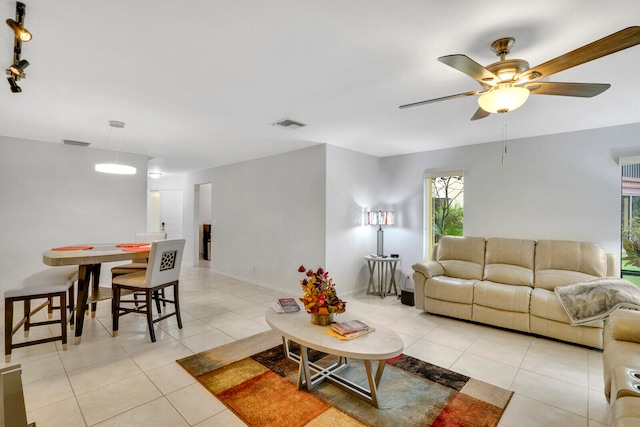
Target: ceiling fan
{"type": "Point", "coordinates": [506, 84]}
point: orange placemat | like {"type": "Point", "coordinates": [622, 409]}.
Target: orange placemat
{"type": "Point", "coordinates": [138, 249]}
{"type": "Point", "coordinates": [73, 248]}
{"type": "Point", "coordinates": [131, 245]}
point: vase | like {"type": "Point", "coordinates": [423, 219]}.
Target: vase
{"type": "Point", "coordinates": [321, 319]}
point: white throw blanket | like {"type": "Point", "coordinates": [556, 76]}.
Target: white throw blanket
{"type": "Point", "coordinates": [596, 299]}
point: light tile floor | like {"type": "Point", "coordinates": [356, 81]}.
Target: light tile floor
{"type": "Point", "coordinates": [128, 380]}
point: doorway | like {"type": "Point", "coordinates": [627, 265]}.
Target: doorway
{"type": "Point", "coordinates": [204, 221]}
{"type": "Point", "coordinates": [164, 209]}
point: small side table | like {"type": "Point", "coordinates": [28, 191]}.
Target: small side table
{"type": "Point", "coordinates": [385, 275]}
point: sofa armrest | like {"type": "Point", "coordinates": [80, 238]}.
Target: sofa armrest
{"type": "Point", "coordinates": [428, 268]}
{"type": "Point", "coordinates": [624, 325]}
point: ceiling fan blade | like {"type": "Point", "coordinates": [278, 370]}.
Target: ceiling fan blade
{"type": "Point", "coordinates": [605, 46]}
{"type": "Point", "coordinates": [584, 90]}
{"type": "Point", "coordinates": [471, 68]}
{"type": "Point", "coordinates": [444, 98]}
{"type": "Point", "coordinates": [480, 114]}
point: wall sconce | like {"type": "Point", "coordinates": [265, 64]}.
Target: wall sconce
{"type": "Point", "coordinates": [21, 34]}
{"type": "Point", "coordinates": [115, 168]}
{"type": "Point", "coordinates": [380, 218]}
{"type": "Point", "coordinates": [154, 175]}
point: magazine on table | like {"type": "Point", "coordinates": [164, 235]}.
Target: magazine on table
{"type": "Point", "coordinates": [285, 305]}
{"type": "Point", "coordinates": [349, 327]}
{"type": "Point", "coordinates": [334, 334]}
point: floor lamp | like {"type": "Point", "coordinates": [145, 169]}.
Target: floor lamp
{"type": "Point", "coordinates": [380, 218]}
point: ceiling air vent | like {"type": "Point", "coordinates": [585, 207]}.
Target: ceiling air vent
{"type": "Point", "coordinates": [76, 143]}
{"type": "Point", "coordinates": [289, 124]}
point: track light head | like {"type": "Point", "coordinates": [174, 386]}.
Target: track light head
{"type": "Point", "coordinates": [14, 86]}
{"type": "Point", "coordinates": [18, 68]}
{"type": "Point", "coordinates": [21, 33]}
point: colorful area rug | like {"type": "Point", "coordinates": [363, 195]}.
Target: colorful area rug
{"type": "Point", "coordinates": [253, 378]}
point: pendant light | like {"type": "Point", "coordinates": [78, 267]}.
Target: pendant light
{"type": "Point", "coordinates": [115, 168]}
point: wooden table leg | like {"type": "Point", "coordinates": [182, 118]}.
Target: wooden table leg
{"type": "Point", "coordinates": [84, 281]}
{"type": "Point", "coordinates": [95, 274]}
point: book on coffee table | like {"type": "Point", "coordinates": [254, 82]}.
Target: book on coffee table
{"type": "Point", "coordinates": [334, 334]}
{"type": "Point", "coordinates": [288, 304]}
{"type": "Point", "coordinates": [349, 327]}
{"type": "Point", "coordinates": [285, 305]}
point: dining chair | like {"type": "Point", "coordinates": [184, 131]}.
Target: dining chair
{"type": "Point", "coordinates": [56, 282]}
{"type": "Point", "coordinates": [163, 271]}
{"type": "Point", "coordinates": [136, 266]}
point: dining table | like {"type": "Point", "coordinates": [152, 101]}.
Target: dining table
{"type": "Point", "coordinates": [89, 259]}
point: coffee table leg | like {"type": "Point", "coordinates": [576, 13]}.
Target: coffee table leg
{"type": "Point", "coordinates": [373, 383]}
{"type": "Point", "coordinates": [304, 374]}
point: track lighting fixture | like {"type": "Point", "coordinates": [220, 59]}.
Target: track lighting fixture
{"type": "Point", "coordinates": [14, 86]}
{"type": "Point", "coordinates": [16, 70]}
{"type": "Point", "coordinates": [22, 33]}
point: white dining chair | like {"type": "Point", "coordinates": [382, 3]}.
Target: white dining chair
{"type": "Point", "coordinates": [163, 271]}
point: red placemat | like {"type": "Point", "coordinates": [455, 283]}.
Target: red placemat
{"type": "Point", "coordinates": [131, 245]}
{"type": "Point", "coordinates": [139, 249]}
{"type": "Point", "coordinates": [73, 248]}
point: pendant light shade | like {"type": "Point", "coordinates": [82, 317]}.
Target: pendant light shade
{"type": "Point", "coordinates": [115, 168]}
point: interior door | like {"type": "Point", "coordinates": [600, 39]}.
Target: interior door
{"type": "Point", "coordinates": [171, 213]}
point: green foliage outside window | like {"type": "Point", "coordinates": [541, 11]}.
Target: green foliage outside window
{"type": "Point", "coordinates": [447, 208]}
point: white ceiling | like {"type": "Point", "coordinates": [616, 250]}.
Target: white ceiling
{"type": "Point", "coordinates": [199, 83]}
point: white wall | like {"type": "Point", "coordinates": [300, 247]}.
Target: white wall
{"type": "Point", "coordinates": [353, 183]}
{"type": "Point", "coordinates": [564, 186]}
{"type": "Point", "coordinates": [50, 195]}
{"type": "Point", "coordinates": [269, 215]}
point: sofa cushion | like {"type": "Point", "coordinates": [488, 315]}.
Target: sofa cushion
{"type": "Point", "coordinates": [501, 296]}
{"type": "Point", "coordinates": [563, 262]}
{"type": "Point", "coordinates": [546, 305]}
{"type": "Point", "coordinates": [509, 261]}
{"type": "Point", "coordinates": [450, 289]}
{"type": "Point", "coordinates": [462, 257]}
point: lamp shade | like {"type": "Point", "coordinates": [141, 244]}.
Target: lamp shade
{"type": "Point", "coordinates": [503, 98]}
{"type": "Point", "coordinates": [380, 218]}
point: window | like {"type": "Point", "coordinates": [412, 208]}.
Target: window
{"type": "Point", "coordinates": [630, 222]}
{"type": "Point", "coordinates": [444, 207]}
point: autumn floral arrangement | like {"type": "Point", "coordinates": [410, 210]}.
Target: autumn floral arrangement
{"type": "Point", "coordinates": [320, 295]}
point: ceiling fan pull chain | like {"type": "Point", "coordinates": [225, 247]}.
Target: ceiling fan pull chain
{"type": "Point", "coordinates": [504, 137]}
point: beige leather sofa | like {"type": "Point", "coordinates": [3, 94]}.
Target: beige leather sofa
{"type": "Point", "coordinates": [621, 368]}
{"type": "Point", "coordinates": [509, 283]}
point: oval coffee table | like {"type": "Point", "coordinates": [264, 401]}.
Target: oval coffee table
{"type": "Point", "coordinates": [379, 345]}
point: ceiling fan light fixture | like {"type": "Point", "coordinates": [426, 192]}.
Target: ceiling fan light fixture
{"type": "Point", "coordinates": [503, 98]}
